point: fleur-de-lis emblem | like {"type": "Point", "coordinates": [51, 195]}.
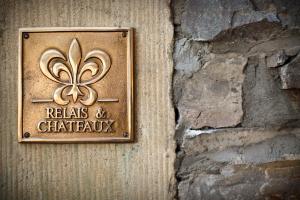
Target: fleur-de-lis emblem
{"type": "Point", "coordinates": [52, 62]}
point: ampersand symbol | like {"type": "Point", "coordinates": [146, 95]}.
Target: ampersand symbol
{"type": "Point", "coordinates": [101, 114]}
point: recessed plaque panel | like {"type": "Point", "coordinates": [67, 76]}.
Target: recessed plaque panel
{"type": "Point", "coordinates": [75, 85]}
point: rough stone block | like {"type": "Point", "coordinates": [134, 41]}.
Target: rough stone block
{"type": "Point", "coordinates": [287, 11]}
{"type": "Point", "coordinates": [277, 59]}
{"type": "Point", "coordinates": [245, 182]}
{"type": "Point", "coordinates": [186, 57]}
{"type": "Point", "coordinates": [292, 51]}
{"type": "Point", "coordinates": [203, 20]}
{"type": "Point", "coordinates": [178, 6]}
{"type": "Point", "coordinates": [265, 103]}
{"type": "Point", "coordinates": [212, 97]}
{"type": "Point", "coordinates": [290, 74]}
{"type": "Point", "coordinates": [201, 141]}
{"type": "Point", "coordinates": [240, 164]}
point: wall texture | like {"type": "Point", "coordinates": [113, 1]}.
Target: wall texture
{"type": "Point", "coordinates": [237, 98]}
{"type": "Point", "coordinates": [141, 170]}
{"type": "Point", "coordinates": [236, 92]}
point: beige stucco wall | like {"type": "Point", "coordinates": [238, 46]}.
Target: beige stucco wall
{"type": "Point", "coordinates": [142, 170]}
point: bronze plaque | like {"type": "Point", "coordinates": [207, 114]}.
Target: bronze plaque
{"type": "Point", "coordinates": [76, 85]}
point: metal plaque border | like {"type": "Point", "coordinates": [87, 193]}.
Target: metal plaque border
{"type": "Point", "coordinates": [130, 86]}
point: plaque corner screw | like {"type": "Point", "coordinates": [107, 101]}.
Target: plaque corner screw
{"type": "Point", "coordinates": [125, 134]}
{"type": "Point", "coordinates": [124, 34]}
{"type": "Point", "coordinates": [26, 134]}
{"type": "Point", "coordinates": [26, 35]}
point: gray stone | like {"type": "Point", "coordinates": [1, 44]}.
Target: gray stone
{"type": "Point", "coordinates": [287, 41]}
{"type": "Point", "coordinates": [257, 38]}
{"type": "Point", "coordinates": [199, 142]}
{"type": "Point", "coordinates": [216, 150]}
{"type": "Point", "coordinates": [290, 74]}
{"type": "Point", "coordinates": [277, 59]}
{"type": "Point", "coordinates": [292, 51]}
{"type": "Point", "coordinates": [189, 56]}
{"type": "Point", "coordinates": [203, 20]}
{"type": "Point", "coordinates": [228, 59]}
{"type": "Point", "coordinates": [178, 9]}
{"type": "Point", "coordinates": [269, 150]}
{"type": "Point", "coordinates": [288, 12]}
{"type": "Point", "coordinates": [265, 103]}
{"type": "Point", "coordinates": [213, 96]}
{"type": "Point", "coordinates": [253, 182]}
{"type": "Point", "coordinates": [240, 164]}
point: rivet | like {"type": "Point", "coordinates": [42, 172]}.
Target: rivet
{"type": "Point", "coordinates": [26, 135]}
{"type": "Point", "coordinates": [125, 134]}
{"type": "Point", "coordinates": [26, 35]}
{"type": "Point", "coordinates": [124, 34]}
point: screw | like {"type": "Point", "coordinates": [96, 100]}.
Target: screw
{"type": "Point", "coordinates": [26, 35]}
{"type": "Point", "coordinates": [125, 134]}
{"type": "Point", "coordinates": [124, 34]}
{"type": "Point", "coordinates": [26, 135]}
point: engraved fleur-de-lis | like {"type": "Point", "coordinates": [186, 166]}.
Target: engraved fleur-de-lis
{"type": "Point", "coordinates": [53, 62]}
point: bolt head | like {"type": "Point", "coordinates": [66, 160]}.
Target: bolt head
{"type": "Point", "coordinates": [125, 134]}
{"type": "Point", "coordinates": [26, 135]}
{"type": "Point", "coordinates": [26, 35]}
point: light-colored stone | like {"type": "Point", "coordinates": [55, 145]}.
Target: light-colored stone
{"type": "Point", "coordinates": [290, 74]}
{"type": "Point", "coordinates": [221, 139]}
{"type": "Point", "coordinates": [212, 97]}
{"type": "Point", "coordinates": [185, 57]}
{"type": "Point", "coordinates": [277, 59]}
{"type": "Point", "coordinates": [189, 56]}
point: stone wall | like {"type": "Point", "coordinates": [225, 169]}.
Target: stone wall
{"type": "Point", "coordinates": [236, 91]}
